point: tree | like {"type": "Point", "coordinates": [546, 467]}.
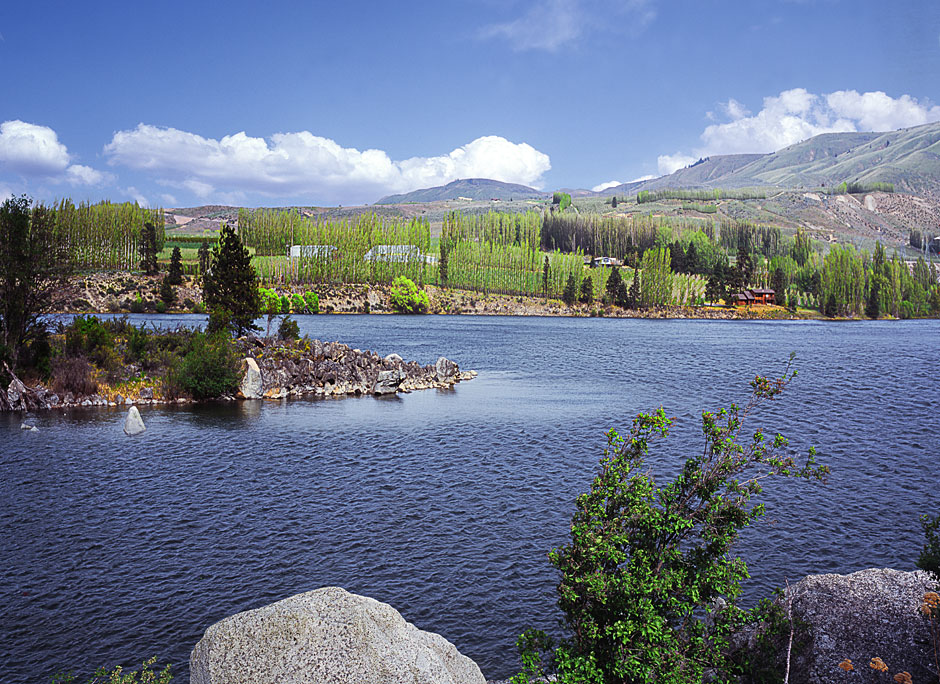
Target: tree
{"type": "Point", "coordinates": [570, 295]}
{"type": "Point", "coordinates": [407, 298]}
{"type": "Point", "coordinates": [633, 295]}
{"type": "Point", "coordinates": [442, 265]}
{"type": "Point", "coordinates": [175, 274]}
{"type": "Point", "coordinates": [587, 290]}
{"type": "Point", "coordinates": [546, 269]}
{"type": "Point", "coordinates": [148, 249]}
{"type": "Point", "coordinates": [204, 257]}
{"type": "Point", "coordinates": [649, 583]}
{"type": "Point", "coordinates": [744, 269]}
{"type": "Point", "coordinates": [716, 287]}
{"type": "Point", "coordinates": [230, 286]}
{"type": "Point", "coordinates": [167, 293]}
{"type": "Point", "coordinates": [614, 283]}
{"type": "Point", "coordinates": [613, 202]}
{"type": "Point", "coordinates": [33, 268]}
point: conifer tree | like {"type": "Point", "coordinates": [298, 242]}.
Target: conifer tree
{"type": "Point", "coordinates": [230, 286]}
{"type": "Point", "coordinates": [204, 257]}
{"type": "Point", "coordinates": [614, 282]}
{"type": "Point", "coordinates": [633, 296]}
{"type": "Point", "coordinates": [587, 290]}
{"type": "Point", "coordinates": [570, 295]}
{"type": "Point", "coordinates": [175, 275]}
{"type": "Point", "coordinates": [148, 249]}
{"type": "Point", "coordinates": [545, 272]}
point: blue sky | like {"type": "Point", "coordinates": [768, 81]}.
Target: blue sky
{"type": "Point", "coordinates": [324, 103]}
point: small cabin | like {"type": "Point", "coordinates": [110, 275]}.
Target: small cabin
{"type": "Point", "coordinates": [605, 261]}
{"type": "Point", "coordinates": [759, 295]}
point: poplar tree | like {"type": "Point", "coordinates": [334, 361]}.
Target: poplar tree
{"type": "Point", "coordinates": [204, 257]}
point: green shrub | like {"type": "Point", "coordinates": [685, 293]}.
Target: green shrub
{"type": "Point", "coordinates": [161, 307]}
{"type": "Point", "coordinates": [137, 339]}
{"type": "Point", "coordinates": [407, 298]}
{"type": "Point", "coordinates": [648, 581]}
{"type": "Point", "coordinates": [930, 556]}
{"type": "Point", "coordinates": [117, 676]}
{"type": "Point", "coordinates": [297, 303]}
{"type": "Point", "coordinates": [209, 369]}
{"type": "Point", "coordinates": [288, 329]}
{"type": "Point", "coordinates": [137, 304]}
{"type": "Point", "coordinates": [312, 300]}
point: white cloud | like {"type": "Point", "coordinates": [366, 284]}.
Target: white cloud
{"type": "Point", "coordinates": [168, 200]}
{"type": "Point", "coordinates": [667, 163]}
{"type": "Point", "coordinates": [643, 178]}
{"type": "Point", "coordinates": [136, 195]}
{"type": "Point", "coordinates": [796, 115]}
{"type": "Point", "coordinates": [308, 166]}
{"type": "Point", "coordinates": [604, 186]}
{"type": "Point", "coordinates": [550, 24]}
{"type": "Point", "coordinates": [6, 192]}
{"type": "Point", "coordinates": [34, 151]}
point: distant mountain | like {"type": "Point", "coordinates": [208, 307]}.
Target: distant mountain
{"type": "Point", "coordinates": [908, 158]}
{"type": "Point", "coordinates": [470, 188]}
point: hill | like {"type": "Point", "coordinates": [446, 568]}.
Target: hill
{"type": "Point", "coordinates": [470, 188]}
{"type": "Point", "coordinates": [909, 158]}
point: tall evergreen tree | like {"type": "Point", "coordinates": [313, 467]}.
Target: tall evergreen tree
{"type": "Point", "coordinates": [633, 294]}
{"type": "Point", "coordinates": [587, 290]}
{"type": "Point", "coordinates": [230, 286]}
{"type": "Point", "coordinates": [744, 268]}
{"type": "Point", "coordinates": [570, 295]}
{"type": "Point", "coordinates": [443, 262]}
{"type": "Point", "coordinates": [204, 255]}
{"type": "Point", "coordinates": [148, 249]}
{"type": "Point", "coordinates": [175, 274]}
{"type": "Point", "coordinates": [614, 283]}
{"type": "Point", "coordinates": [545, 272]}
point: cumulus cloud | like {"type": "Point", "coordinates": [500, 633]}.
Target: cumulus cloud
{"type": "Point", "coordinates": [667, 163]}
{"type": "Point", "coordinates": [643, 178]}
{"type": "Point", "coordinates": [136, 195]}
{"type": "Point", "coordinates": [604, 186]}
{"type": "Point", "coordinates": [305, 165]}
{"type": "Point", "coordinates": [796, 115]}
{"type": "Point", "coordinates": [34, 151]}
{"type": "Point", "coordinates": [551, 24]}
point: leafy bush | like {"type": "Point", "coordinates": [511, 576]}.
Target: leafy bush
{"type": "Point", "coordinates": [648, 583]}
{"type": "Point", "coordinates": [209, 369]}
{"type": "Point", "coordinates": [117, 676]}
{"type": "Point", "coordinates": [297, 303]}
{"type": "Point", "coordinates": [285, 304]}
{"type": "Point", "coordinates": [73, 374]}
{"type": "Point", "coordinates": [407, 298]}
{"type": "Point", "coordinates": [288, 329]}
{"type": "Point", "coordinates": [137, 304]}
{"type": "Point", "coordinates": [930, 556]}
{"type": "Point", "coordinates": [313, 302]}
{"type": "Point", "coordinates": [137, 339]}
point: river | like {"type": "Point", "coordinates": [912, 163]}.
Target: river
{"type": "Point", "coordinates": [441, 503]}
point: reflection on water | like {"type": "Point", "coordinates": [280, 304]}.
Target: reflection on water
{"type": "Point", "coordinates": [442, 503]}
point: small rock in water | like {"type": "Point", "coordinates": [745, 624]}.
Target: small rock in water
{"type": "Point", "coordinates": [133, 423]}
{"type": "Point", "coordinates": [24, 426]}
{"type": "Point", "coordinates": [34, 429]}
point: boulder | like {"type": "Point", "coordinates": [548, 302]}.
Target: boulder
{"type": "Point", "coordinates": [146, 393]}
{"type": "Point", "coordinates": [394, 359]}
{"type": "Point", "coordinates": [388, 381]}
{"type": "Point", "coordinates": [446, 370]}
{"type": "Point", "coordinates": [867, 614]}
{"type": "Point", "coordinates": [252, 384]}
{"type": "Point", "coordinates": [327, 635]}
{"type": "Point", "coordinates": [133, 423]}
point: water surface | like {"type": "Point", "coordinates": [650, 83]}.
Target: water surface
{"type": "Point", "coordinates": [441, 503]}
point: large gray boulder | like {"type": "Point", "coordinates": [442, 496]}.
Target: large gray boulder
{"type": "Point", "coordinates": [867, 614]}
{"type": "Point", "coordinates": [447, 370]}
{"type": "Point", "coordinates": [327, 635]}
{"type": "Point", "coordinates": [133, 423]}
{"type": "Point", "coordinates": [252, 385]}
{"type": "Point", "coordinates": [388, 381]}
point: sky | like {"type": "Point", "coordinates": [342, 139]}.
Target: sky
{"type": "Point", "coordinates": [179, 104]}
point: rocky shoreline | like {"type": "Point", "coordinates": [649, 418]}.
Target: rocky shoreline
{"type": "Point", "coordinates": [272, 370]}
{"type": "Point", "coordinates": [125, 292]}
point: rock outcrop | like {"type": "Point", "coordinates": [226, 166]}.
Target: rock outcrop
{"type": "Point", "coordinates": [133, 423]}
{"type": "Point", "coordinates": [327, 635]}
{"type": "Point", "coordinates": [864, 615]}
{"type": "Point", "coordinates": [251, 386]}
{"type": "Point", "coordinates": [334, 369]}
